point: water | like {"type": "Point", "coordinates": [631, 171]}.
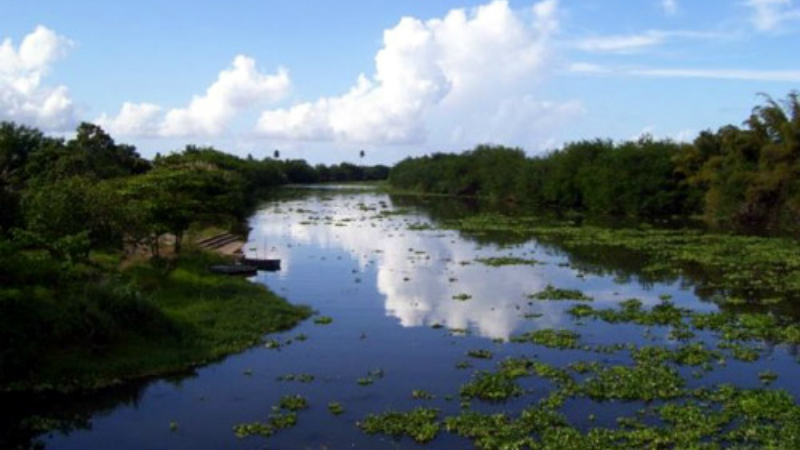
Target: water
{"type": "Point", "coordinates": [389, 290]}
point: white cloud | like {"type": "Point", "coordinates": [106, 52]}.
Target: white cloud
{"type": "Point", "coordinates": [431, 77]}
{"type": "Point", "coordinates": [134, 119]}
{"type": "Point", "coordinates": [786, 76]}
{"type": "Point", "coordinates": [770, 15]}
{"type": "Point", "coordinates": [622, 44]}
{"type": "Point", "coordinates": [23, 97]}
{"type": "Point", "coordinates": [670, 7]}
{"type": "Point", "coordinates": [590, 68]}
{"type": "Point", "coordinates": [792, 76]}
{"type": "Point", "coordinates": [237, 89]}
{"type": "Point", "coordinates": [635, 43]}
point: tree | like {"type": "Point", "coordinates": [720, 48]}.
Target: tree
{"type": "Point", "coordinates": [92, 153]}
{"type": "Point", "coordinates": [169, 200]}
{"type": "Point", "coordinates": [73, 216]}
{"type": "Point", "coordinates": [276, 154]}
{"type": "Point", "coordinates": [17, 143]}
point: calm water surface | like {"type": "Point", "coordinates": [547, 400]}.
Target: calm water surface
{"type": "Point", "coordinates": [386, 284]}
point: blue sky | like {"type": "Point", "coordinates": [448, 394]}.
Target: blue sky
{"type": "Point", "coordinates": [323, 79]}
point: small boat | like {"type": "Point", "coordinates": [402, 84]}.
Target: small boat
{"type": "Point", "coordinates": [234, 269]}
{"type": "Point", "coordinates": [269, 265]}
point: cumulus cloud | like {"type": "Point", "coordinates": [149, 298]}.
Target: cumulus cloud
{"type": "Point", "coordinates": [458, 66]}
{"type": "Point", "coordinates": [771, 15]}
{"type": "Point", "coordinates": [237, 89]}
{"type": "Point", "coordinates": [23, 96]}
{"type": "Point", "coordinates": [134, 119]}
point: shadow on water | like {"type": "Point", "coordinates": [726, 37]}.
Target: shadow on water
{"type": "Point", "coordinates": [25, 418]}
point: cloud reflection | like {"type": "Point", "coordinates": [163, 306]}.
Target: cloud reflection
{"type": "Point", "coordinates": [418, 272]}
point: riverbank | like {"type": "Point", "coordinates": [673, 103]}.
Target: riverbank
{"type": "Point", "coordinates": [186, 317]}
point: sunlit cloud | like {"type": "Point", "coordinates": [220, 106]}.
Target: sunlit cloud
{"type": "Point", "coordinates": [23, 95]}
{"type": "Point", "coordinates": [430, 69]}
{"type": "Point", "coordinates": [236, 90]}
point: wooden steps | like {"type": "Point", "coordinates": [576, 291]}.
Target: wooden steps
{"type": "Point", "coordinates": [217, 241]}
{"type": "Point", "coordinates": [224, 243]}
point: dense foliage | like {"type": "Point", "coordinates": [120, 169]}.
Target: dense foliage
{"type": "Point", "coordinates": [738, 177]}
{"type": "Point", "coordinates": [74, 212]}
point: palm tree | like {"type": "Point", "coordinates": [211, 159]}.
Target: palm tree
{"type": "Point", "coordinates": [361, 155]}
{"type": "Point", "coordinates": [774, 130]}
{"type": "Point", "coordinates": [276, 154]}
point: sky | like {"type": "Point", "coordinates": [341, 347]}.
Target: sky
{"type": "Point", "coordinates": [323, 80]}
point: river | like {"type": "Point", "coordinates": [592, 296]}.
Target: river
{"type": "Point", "coordinates": [408, 301]}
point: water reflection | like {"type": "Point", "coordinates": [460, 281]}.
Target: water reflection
{"type": "Point", "coordinates": [419, 272]}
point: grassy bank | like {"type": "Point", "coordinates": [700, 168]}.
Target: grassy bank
{"type": "Point", "coordinates": [160, 320]}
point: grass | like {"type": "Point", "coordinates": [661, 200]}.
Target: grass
{"type": "Point", "coordinates": [209, 316]}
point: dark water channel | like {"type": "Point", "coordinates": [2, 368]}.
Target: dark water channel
{"type": "Point", "coordinates": [388, 283]}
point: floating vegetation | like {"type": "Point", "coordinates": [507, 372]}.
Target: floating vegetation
{"type": "Point", "coordinates": [491, 386]}
{"type": "Point", "coordinates": [687, 355]}
{"type": "Point", "coordinates": [643, 381]}
{"type": "Point", "coordinates": [558, 294]}
{"type": "Point", "coordinates": [562, 339]}
{"type": "Point", "coordinates": [300, 377]}
{"type": "Point", "coordinates": [293, 403]}
{"type": "Point", "coordinates": [323, 320]}
{"type": "Point", "coordinates": [755, 266]}
{"type": "Point", "coordinates": [458, 331]}
{"type": "Point", "coordinates": [275, 423]}
{"type": "Point", "coordinates": [419, 394]}
{"type": "Point", "coordinates": [507, 261]}
{"type": "Point", "coordinates": [462, 297]}
{"type": "Point", "coordinates": [285, 416]}
{"type": "Point", "coordinates": [372, 375]}
{"type": "Point", "coordinates": [421, 424]}
{"type": "Point", "coordinates": [532, 315]}
{"type": "Point", "coordinates": [480, 354]}
{"type": "Point", "coordinates": [420, 226]}
{"type": "Point", "coordinates": [335, 408]}
{"type": "Point", "coordinates": [767, 376]}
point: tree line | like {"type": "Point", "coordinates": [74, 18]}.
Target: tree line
{"type": "Point", "coordinates": [739, 177]}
